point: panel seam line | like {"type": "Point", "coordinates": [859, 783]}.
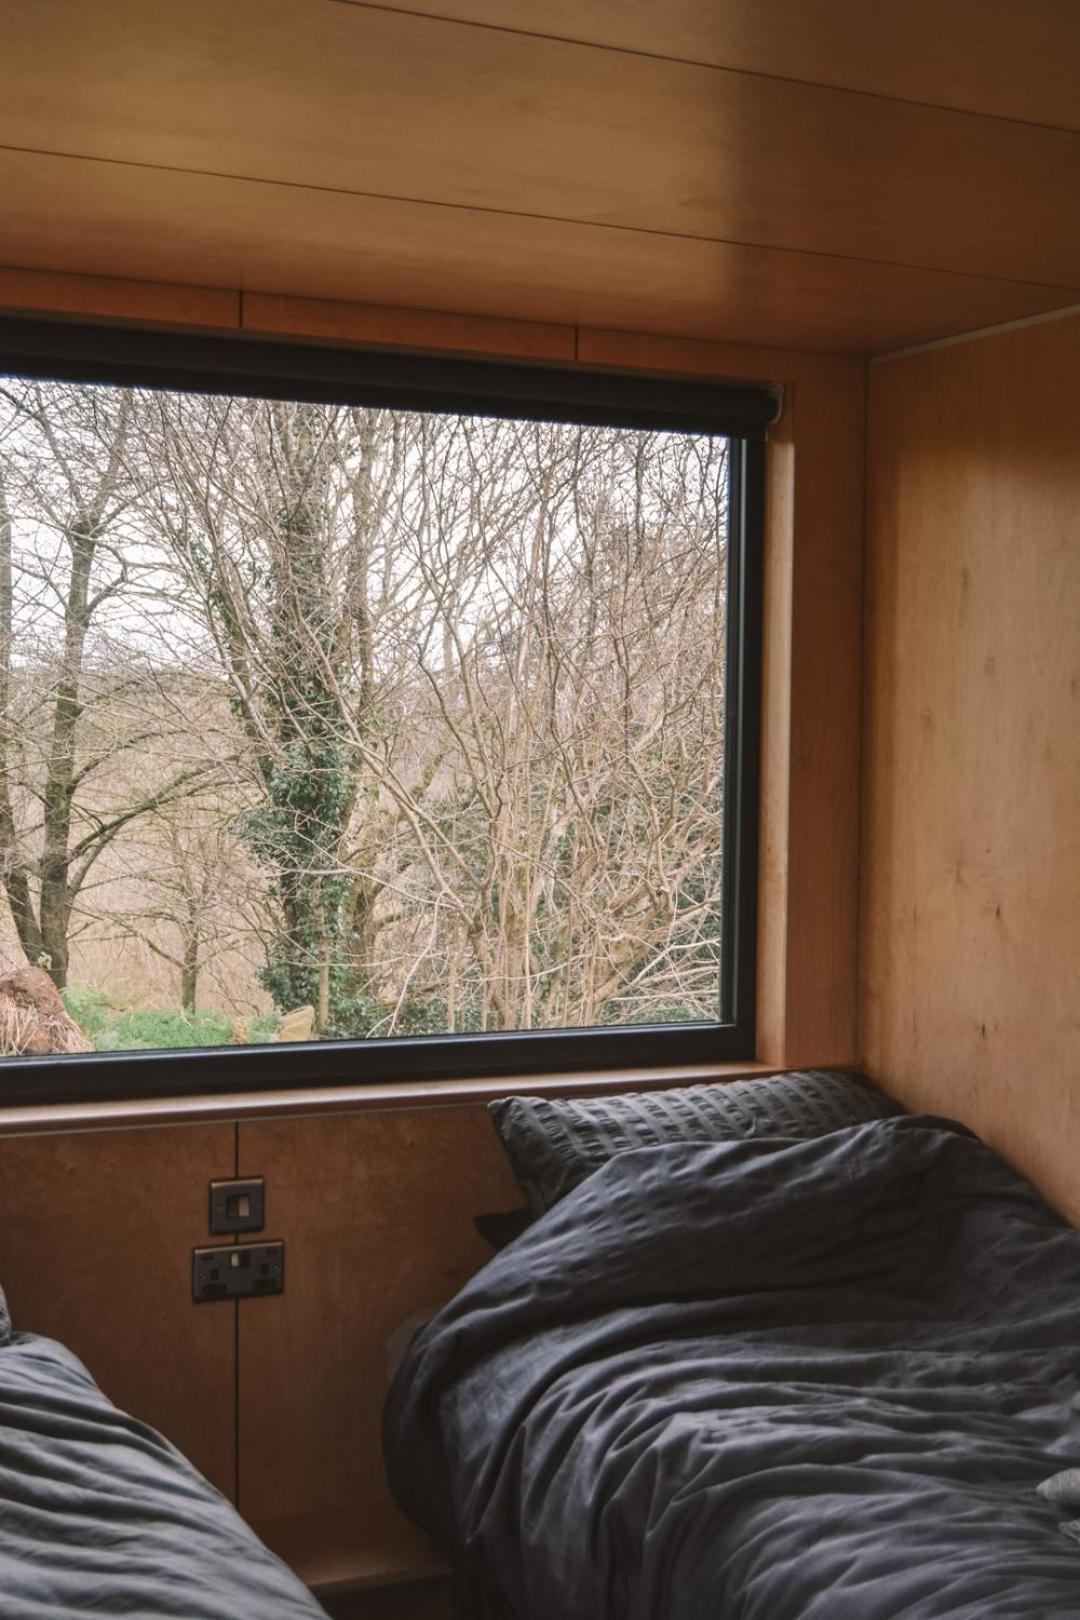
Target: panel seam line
{"type": "Point", "coordinates": [698, 62]}
{"type": "Point", "coordinates": [994, 278]}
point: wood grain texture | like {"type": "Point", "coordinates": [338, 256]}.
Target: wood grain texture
{"type": "Point", "coordinates": [774, 788]}
{"type": "Point", "coordinates": [808, 897]}
{"type": "Point", "coordinates": [979, 55]}
{"type": "Point", "coordinates": [104, 219]}
{"type": "Point", "coordinates": [971, 844]}
{"type": "Point", "coordinates": [393, 104]}
{"type": "Point", "coordinates": [353, 1551]}
{"type": "Point", "coordinates": [96, 1233]}
{"type": "Point", "coordinates": [107, 299]}
{"type": "Point", "coordinates": [377, 326]}
{"type": "Point", "coordinates": [824, 694]}
{"type": "Point", "coordinates": [377, 1214]}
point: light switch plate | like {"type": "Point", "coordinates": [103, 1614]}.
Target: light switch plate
{"type": "Point", "coordinates": [237, 1206]}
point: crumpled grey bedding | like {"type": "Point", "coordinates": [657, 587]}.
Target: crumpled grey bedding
{"type": "Point", "coordinates": [101, 1516]}
{"type": "Point", "coordinates": [1064, 1489]}
{"type": "Point", "coordinates": [765, 1380]}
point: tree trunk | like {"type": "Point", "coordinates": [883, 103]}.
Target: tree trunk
{"type": "Point", "coordinates": [323, 1012]}
{"type": "Point", "coordinates": [189, 971]}
{"type": "Point", "coordinates": [15, 877]}
{"type": "Point", "coordinates": [56, 900]}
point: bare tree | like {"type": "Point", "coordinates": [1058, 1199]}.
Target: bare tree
{"type": "Point", "coordinates": [468, 680]}
{"type": "Point", "coordinates": [480, 666]}
{"type": "Point", "coordinates": [188, 896]}
{"type": "Point", "coordinates": [268, 511]}
{"type": "Point", "coordinates": [584, 696]}
{"type": "Point", "coordinates": [63, 479]}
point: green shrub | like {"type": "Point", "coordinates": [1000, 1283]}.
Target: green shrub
{"type": "Point", "coordinates": [89, 1007]}
{"type": "Point", "coordinates": [152, 1028]}
{"type": "Point", "coordinates": [263, 1028]}
{"type": "Point", "coordinates": [146, 1029]}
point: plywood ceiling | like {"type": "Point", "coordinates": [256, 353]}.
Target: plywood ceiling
{"type": "Point", "coordinates": [831, 176]}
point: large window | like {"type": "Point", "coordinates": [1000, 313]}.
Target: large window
{"type": "Point", "coordinates": [365, 717]}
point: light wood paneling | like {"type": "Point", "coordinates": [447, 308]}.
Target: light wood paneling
{"type": "Point", "coordinates": [985, 56]}
{"type": "Point", "coordinates": [121, 221]}
{"type": "Point", "coordinates": [377, 326]}
{"type": "Point", "coordinates": [774, 959]}
{"type": "Point", "coordinates": [391, 104]}
{"type": "Point", "coordinates": [96, 1233]}
{"type": "Point", "coordinates": [375, 155]}
{"type": "Point", "coordinates": [100, 298]}
{"type": "Point", "coordinates": [971, 852]}
{"type": "Point", "coordinates": [377, 1213]}
{"type": "Point", "coordinates": [813, 613]}
{"type": "Point", "coordinates": [823, 680]}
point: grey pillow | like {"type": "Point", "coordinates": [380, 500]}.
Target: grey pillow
{"type": "Point", "coordinates": [553, 1145]}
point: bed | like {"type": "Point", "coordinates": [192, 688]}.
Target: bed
{"type": "Point", "coordinates": [832, 1378]}
{"type": "Point", "coordinates": [101, 1516]}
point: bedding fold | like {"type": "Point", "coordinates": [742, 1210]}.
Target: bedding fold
{"type": "Point", "coordinates": [813, 1380]}
{"type": "Point", "coordinates": [99, 1515]}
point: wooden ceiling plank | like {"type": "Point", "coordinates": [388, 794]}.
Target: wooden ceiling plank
{"type": "Point", "coordinates": [377, 325]}
{"type": "Point", "coordinates": [979, 56]}
{"type": "Point", "coordinates": [101, 219]}
{"type": "Point", "coordinates": [395, 105]}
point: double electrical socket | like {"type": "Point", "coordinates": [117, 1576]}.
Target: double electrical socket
{"type": "Point", "coordinates": [237, 1270]}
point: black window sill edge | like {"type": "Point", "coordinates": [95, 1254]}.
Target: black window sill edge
{"type": "Point", "coordinates": [210, 1070]}
{"type": "Point", "coordinates": [238, 364]}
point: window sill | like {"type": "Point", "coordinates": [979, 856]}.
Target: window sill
{"type": "Point", "coordinates": [36, 1119]}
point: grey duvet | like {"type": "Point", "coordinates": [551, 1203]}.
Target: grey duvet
{"type": "Point", "coordinates": [760, 1381]}
{"type": "Point", "coordinates": [101, 1516]}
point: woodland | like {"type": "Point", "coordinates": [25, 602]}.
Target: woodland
{"type": "Point", "coordinates": [412, 720]}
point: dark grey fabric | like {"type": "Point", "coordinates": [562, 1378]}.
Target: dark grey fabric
{"type": "Point", "coordinates": [1063, 1487]}
{"type": "Point", "coordinates": [553, 1145]}
{"type": "Point", "coordinates": [5, 1320]}
{"type": "Point", "coordinates": [770, 1380]}
{"type": "Point", "coordinates": [503, 1226]}
{"type": "Point", "coordinates": [101, 1516]}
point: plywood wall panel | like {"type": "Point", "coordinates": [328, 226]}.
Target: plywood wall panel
{"type": "Point", "coordinates": [102, 298]}
{"type": "Point", "coordinates": [111, 220]}
{"type": "Point", "coordinates": [96, 1233]}
{"type": "Point", "coordinates": [969, 54]}
{"type": "Point", "coordinates": [970, 965]}
{"type": "Point", "coordinates": [377, 1214]}
{"type": "Point", "coordinates": [393, 104]}
{"type": "Point", "coordinates": [378, 326]}
{"type": "Point", "coordinates": [825, 675]}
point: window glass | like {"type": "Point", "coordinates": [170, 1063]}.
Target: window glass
{"type": "Point", "coordinates": [334, 722]}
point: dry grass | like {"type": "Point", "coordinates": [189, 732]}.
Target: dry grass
{"type": "Point", "coordinates": [23, 1030]}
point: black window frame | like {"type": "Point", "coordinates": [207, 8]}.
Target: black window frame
{"type": "Point", "coordinates": [234, 364]}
